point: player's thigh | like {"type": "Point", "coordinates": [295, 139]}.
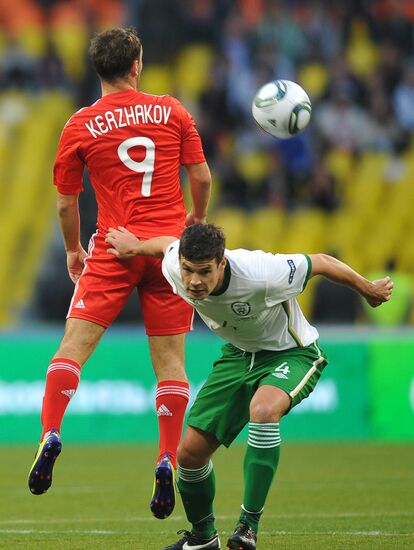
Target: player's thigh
{"type": "Point", "coordinates": [296, 371]}
{"type": "Point", "coordinates": [164, 312]}
{"type": "Point", "coordinates": [222, 405]}
{"type": "Point", "coordinates": [167, 356]}
{"type": "Point", "coordinates": [79, 340]}
{"type": "Point", "coordinates": [103, 287]}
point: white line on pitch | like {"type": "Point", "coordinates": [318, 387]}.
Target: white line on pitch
{"type": "Point", "coordinates": [131, 519]}
{"type": "Point", "coordinates": [273, 533]}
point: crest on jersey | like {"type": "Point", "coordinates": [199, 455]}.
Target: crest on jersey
{"type": "Point", "coordinates": [241, 308]}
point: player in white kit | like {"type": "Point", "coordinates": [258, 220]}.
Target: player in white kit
{"type": "Point", "coordinates": [272, 360]}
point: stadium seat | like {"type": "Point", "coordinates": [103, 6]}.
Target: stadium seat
{"type": "Point", "coordinates": [404, 252]}
{"type": "Point", "coordinates": [340, 164]}
{"type": "Point", "coordinates": [371, 167]}
{"type": "Point", "coordinates": [29, 206]}
{"type": "Point", "coordinates": [234, 223]}
{"type": "Point", "coordinates": [304, 232]}
{"type": "Point", "coordinates": [193, 70]}
{"type": "Point", "coordinates": [363, 191]}
{"type": "Point", "coordinates": [265, 229]}
{"type": "Point", "coordinates": [157, 79]}
{"type": "Point", "coordinates": [343, 234]}
{"type": "Point", "coordinates": [253, 166]}
{"type": "Point", "coordinates": [32, 39]}
{"type": "Point", "coordinates": [71, 42]}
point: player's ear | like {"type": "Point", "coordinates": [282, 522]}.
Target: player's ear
{"type": "Point", "coordinates": [140, 62]}
{"type": "Point", "coordinates": [135, 68]}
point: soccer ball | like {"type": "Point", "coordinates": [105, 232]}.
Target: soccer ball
{"type": "Point", "coordinates": [282, 108]}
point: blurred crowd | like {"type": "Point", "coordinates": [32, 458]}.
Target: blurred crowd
{"type": "Point", "coordinates": [354, 58]}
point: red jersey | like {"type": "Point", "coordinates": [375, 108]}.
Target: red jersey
{"type": "Point", "coordinates": [132, 144]}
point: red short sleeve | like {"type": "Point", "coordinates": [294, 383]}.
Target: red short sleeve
{"type": "Point", "coordinates": [191, 146]}
{"type": "Point", "coordinates": [68, 168]}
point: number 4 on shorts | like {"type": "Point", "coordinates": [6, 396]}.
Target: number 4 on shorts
{"type": "Point", "coordinates": [282, 371]}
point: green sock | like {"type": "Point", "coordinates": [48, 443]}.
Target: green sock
{"type": "Point", "coordinates": [197, 489]}
{"type": "Point", "coordinates": [260, 464]}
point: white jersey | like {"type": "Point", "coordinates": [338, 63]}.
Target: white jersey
{"type": "Point", "coordinates": [256, 308]}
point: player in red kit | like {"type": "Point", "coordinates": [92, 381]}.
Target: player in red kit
{"type": "Point", "coordinates": [133, 145]}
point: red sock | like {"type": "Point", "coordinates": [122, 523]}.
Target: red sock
{"type": "Point", "coordinates": [171, 401]}
{"type": "Point", "coordinates": [62, 380]}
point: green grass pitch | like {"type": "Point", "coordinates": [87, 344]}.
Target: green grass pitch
{"type": "Point", "coordinates": [327, 496]}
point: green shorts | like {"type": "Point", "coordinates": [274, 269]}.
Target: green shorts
{"type": "Point", "coordinates": [222, 405]}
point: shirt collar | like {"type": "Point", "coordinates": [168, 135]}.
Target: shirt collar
{"type": "Point", "coordinates": [226, 281]}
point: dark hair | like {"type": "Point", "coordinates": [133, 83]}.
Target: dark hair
{"type": "Point", "coordinates": [202, 242]}
{"type": "Point", "coordinates": [113, 51]}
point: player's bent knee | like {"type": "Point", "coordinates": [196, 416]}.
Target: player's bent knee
{"type": "Point", "coordinates": [261, 411]}
{"type": "Point", "coordinates": [269, 404]}
{"type": "Point", "coordinates": [188, 458]}
{"type": "Point", "coordinates": [185, 457]}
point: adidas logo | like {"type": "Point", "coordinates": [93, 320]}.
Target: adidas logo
{"type": "Point", "coordinates": [163, 411]}
{"type": "Point", "coordinates": [68, 393]}
{"type": "Point", "coordinates": [80, 305]}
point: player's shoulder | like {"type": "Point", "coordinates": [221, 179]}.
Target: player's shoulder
{"type": "Point", "coordinates": [70, 126]}
{"type": "Point", "coordinates": [257, 263]}
{"type": "Point", "coordinates": [171, 260]}
{"type": "Point", "coordinates": [164, 99]}
{"type": "Point", "coordinates": [87, 109]}
{"type": "Point", "coordinates": [170, 263]}
{"type": "Point", "coordinates": [172, 249]}
{"type": "Point", "coordinates": [243, 255]}
{"type": "Point", "coordinates": [247, 263]}
{"type": "Point", "coordinates": [80, 114]}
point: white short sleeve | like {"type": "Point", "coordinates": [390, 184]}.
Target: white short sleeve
{"type": "Point", "coordinates": [171, 265]}
{"type": "Point", "coordinates": [287, 275]}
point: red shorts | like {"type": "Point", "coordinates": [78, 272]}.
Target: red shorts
{"type": "Point", "coordinates": [106, 283]}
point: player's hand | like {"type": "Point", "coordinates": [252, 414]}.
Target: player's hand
{"type": "Point", "coordinates": [75, 261]}
{"type": "Point", "coordinates": [123, 242]}
{"type": "Point", "coordinates": [380, 291]}
{"type": "Point", "coordinates": [191, 219]}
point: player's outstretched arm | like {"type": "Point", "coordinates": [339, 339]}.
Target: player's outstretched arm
{"type": "Point", "coordinates": [200, 186]}
{"type": "Point", "coordinates": [124, 244]}
{"type": "Point", "coordinates": [375, 292]}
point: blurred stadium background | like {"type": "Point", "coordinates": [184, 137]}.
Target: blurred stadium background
{"type": "Point", "coordinates": [346, 187]}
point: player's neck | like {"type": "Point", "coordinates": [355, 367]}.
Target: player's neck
{"type": "Point", "coordinates": [118, 86]}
